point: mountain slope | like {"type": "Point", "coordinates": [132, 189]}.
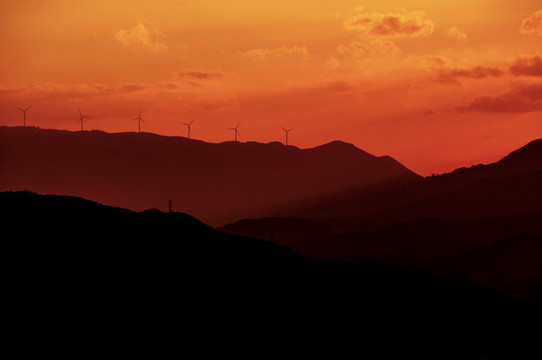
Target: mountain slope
{"type": "Point", "coordinates": [217, 183]}
{"type": "Point", "coordinates": [502, 253]}
{"type": "Point", "coordinates": [435, 224]}
{"type": "Point", "coordinates": [113, 271]}
{"type": "Point", "coordinates": [505, 177]}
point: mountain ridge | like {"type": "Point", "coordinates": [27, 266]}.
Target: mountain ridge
{"type": "Point", "coordinates": [215, 182]}
{"type": "Point", "coordinates": [365, 201]}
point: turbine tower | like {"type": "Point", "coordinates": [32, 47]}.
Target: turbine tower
{"type": "Point", "coordinates": [235, 131]}
{"type": "Point", "coordinates": [24, 114]}
{"type": "Point", "coordinates": [287, 131]}
{"type": "Point", "coordinates": [81, 118]}
{"type": "Point", "coordinates": [139, 120]}
{"type": "Point", "coordinates": [188, 126]}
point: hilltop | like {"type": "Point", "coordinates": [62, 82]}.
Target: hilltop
{"type": "Point", "coordinates": [216, 183]}
{"type": "Point", "coordinates": [506, 187]}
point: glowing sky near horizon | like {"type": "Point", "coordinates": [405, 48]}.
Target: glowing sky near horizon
{"type": "Point", "coordinates": [435, 84]}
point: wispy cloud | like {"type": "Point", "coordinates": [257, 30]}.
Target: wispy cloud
{"type": "Point", "coordinates": [520, 99]}
{"type": "Point", "coordinates": [478, 72]}
{"type": "Point", "coordinates": [200, 74]}
{"type": "Point", "coordinates": [527, 66]}
{"type": "Point", "coordinates": [455, 33]}
{"type": "Point", "coordinates": [533, 24]}
{"type": "Point", "coordinates": [398, 23]}
{"type": "Point", "coordinates": [261, 54]}
{"type": "Point", "coordinates": [139, 37]}
{"type": "Point", "coordinates": [374, 47]}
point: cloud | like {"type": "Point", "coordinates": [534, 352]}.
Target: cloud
{"type": "Point", "coordinates": [51, 92]}
{"type": "Point", "coordinates": [427, 62]}
{"type": "Point", "coordinates": [140, 38]}
{"type": "Point", "coordinates": [128, 88]}
{"type": "Point", "coordinates": [533, 24]}
{"type": "Point", "coordinates": [398, 23]}
{"type": "Point", "coordinates": [455, 33]}
{"type": "Point", "coordinates": [373, 47]}
{"type": "Point", "coordinates": [527, 66]}
{"type": "Point", "coordinates": [520, 99]}
{"type": "Point", "coordinates": [452, 76]}
{"type": "Point", "coordinates": [332, 62]}
{"type": "Point", "coordinates": [429, 112]}
{"type": "Point", "coordinates": [200, 74]}
{"type": "Point", "coordinates": [260, 54]}
{"type": "Point", "coordinates": [339, 86]}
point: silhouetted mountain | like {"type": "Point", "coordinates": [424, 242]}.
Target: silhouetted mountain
{"type": "Point", "coordinates": [217, 183]}
{"type": "Point", "coordinates": [506, 187]}
{"type": "Point", "coordinates": [510, 265]}
{"type": "Point", "coordinates": [117, 271]}
{"type": "Point", "coordinates": [481, 198]}
{"type": "Point", "coordinates": [434, 224]}
{"type": "Point", "coordinates": [279, 230]}
{"type": "Point", "coordinates": [466, 247]}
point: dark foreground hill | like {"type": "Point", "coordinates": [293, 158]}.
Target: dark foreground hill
{"type": "Point", "coordinates": [109, 274]}
{"type": "Point", "coordinates": [217, 183]}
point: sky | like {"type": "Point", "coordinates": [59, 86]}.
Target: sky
{"type": "Point", "coordinates": [435, 84]}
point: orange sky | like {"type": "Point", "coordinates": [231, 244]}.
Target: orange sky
{"type": "Point", "coordinates": [435, 84]}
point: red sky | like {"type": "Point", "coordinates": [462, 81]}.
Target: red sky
{"type": "Point", "coordinates": [435, 84]}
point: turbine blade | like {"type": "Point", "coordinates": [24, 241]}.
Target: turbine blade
{"type": "Point", "coordinates": [238, 124]}
{"type": "Point", "coordinates": [19, 108]}
{"type": "Point", "coordinates": [28, 107]}
{"type": "Point", "coordinates": [291, 129]}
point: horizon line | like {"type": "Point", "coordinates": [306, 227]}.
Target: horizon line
{"type": "Point", "coordinates": [263, 143]}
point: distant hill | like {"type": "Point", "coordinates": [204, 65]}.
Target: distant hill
{"type": "Point", "coordinates": [114, 272]}
{"type": "Point", "coordinates": [434, 224]}
{"type": "Point", "coordinates": [217, 183]}
{"type": "Point", "coordinates": [502, 253]}
{"type": "Point", "coordinates": [508, 186]}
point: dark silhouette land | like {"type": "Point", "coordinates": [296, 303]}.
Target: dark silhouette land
{"type": "Point", "coordinates": [457, 224]}
{"type": "Point", "coordinates": [337, 246]}
{"type": "Point", "coordinates": [169, 270]}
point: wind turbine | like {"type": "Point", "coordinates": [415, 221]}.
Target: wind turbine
{"type": "Point", "coordinates": [188, 126]}
{"type": "Point", "coordinates": [235, 131]}
{"type": "Point", "coordinates": [287, 131]}
{"type": "Point", "coordinates": [81, 118]}
{"type": "Point", "coordinates": [139, 120]}
{"type": "Point", "coordinates": [24, 114]}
